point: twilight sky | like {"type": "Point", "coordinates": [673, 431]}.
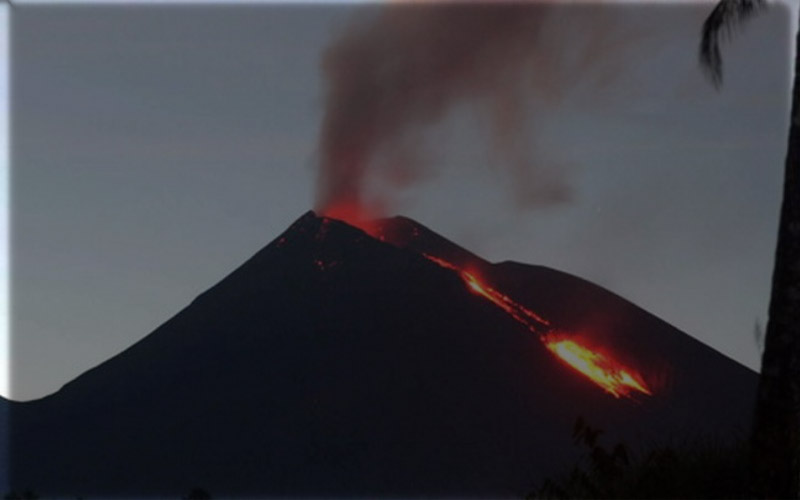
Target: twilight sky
{"type": "Point", "coordinates": [155, 148]}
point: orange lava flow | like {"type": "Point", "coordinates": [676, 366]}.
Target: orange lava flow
{"type": "Point", "coordinates": [603, 371]}
{"type": "Point", "coordinates": [519, 312]}
{"type": "Point", "coordinates": [441, 262]}
{"type": "Point", "coordinates": [613, 377]}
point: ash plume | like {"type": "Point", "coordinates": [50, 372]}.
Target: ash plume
{"type": "Point", "coordinates": [390, 77]}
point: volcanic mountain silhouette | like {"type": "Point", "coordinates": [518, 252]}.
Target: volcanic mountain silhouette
{"type": "Point", "coordinates": [335, 364]}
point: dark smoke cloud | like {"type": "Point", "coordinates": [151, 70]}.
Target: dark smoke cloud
{"type": "Point", "coordinates": [402, 70]}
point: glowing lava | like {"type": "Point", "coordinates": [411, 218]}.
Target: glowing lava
{"type": "Point", "coordinates": [522, 314]}
{"type": "Point", "coordinates": [604, 371]}
{"type": "Point", "coordinates": [355, 214]}
{"type": "Point", "coordinates": [518, 311]}
{"type": "Point", "coordinates": [600, 368]}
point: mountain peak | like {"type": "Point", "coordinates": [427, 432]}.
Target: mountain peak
{"type": "Point", "coordinates": [343, 362]}
{"type": "Point", "coordinates": [398, 231]}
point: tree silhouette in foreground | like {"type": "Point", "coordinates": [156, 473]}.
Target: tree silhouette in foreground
{"type": "Point", "coordinates": [776, 432]}
{"type": "Point", "coordinates": [694, 469]}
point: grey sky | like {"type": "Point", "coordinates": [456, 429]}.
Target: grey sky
{"type": "Point", "coordinates": [154, 149]}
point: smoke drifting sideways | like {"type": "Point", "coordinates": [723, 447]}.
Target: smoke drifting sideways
{"type": "Point", "coordinates": [393, 74]}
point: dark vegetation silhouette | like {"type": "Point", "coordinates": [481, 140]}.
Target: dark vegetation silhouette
{"type": "Point", "coordinates": [776, 430]}
{"type": "Point", "coordinates": [758, 336]}
{"type": "Point", "coordinates": [197, 494]}
{"type": "Point", "coordinates": [27, 494]}
{"type": "Point", "coordinates": [694, 469]}
{"type": "Point", "coordinates": [30, 494]}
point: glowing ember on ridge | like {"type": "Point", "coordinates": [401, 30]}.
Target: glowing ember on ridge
{"type": "Point", "coordinates": [355, 214]}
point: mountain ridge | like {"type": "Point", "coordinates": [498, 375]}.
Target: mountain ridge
{"type": "Point", "coordinates": [332, 363]}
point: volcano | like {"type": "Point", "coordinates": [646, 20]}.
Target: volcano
{"type": "Point", "coordinates": [337, 362]}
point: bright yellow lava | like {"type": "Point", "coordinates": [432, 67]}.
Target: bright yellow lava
{"type": "Point", "coordinates": [606, 373]}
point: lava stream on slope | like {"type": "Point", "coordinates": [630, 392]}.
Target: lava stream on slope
{"type": "Point", "coordinates": [599, 367]}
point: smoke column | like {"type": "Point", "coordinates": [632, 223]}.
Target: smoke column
{"type": "Point", "coordinates": [390, 76]}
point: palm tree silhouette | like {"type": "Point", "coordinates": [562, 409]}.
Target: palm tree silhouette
{"type": "Point", "coordinates": [776, 432]}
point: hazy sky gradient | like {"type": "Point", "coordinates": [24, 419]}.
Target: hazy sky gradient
{"type": "Point", "coordinates": [157, 148]}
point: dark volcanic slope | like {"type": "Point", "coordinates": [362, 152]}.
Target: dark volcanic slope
{"type": "Point", "coordinates": [332, 364]}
